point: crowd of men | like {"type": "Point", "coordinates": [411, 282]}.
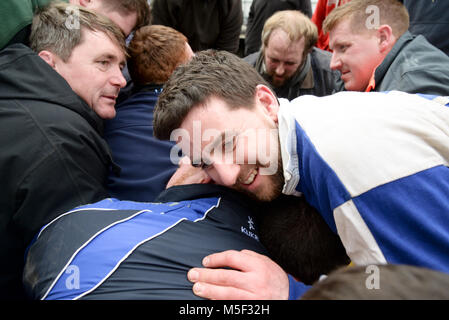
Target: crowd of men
{"type": "Point", "coordinates": [145, 159]}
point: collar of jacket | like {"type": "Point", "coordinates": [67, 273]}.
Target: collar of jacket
{"type": "Point", "coordinates": [303, 77]}
{"type": "Point", "coordinates": [382, 69]}
{"type": "Point", "coordinates": [197, 191]}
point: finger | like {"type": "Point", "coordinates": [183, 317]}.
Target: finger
{"type": "Point", "coordinates": [254, 254]}
{"type": "Point", "coordinates": [220, 277]}
{"type": "Point", "coordinates": [185, 161]}
{"type": "Point", "coordinates": [210, 291]}
{"type": "Point", "coordinates": [238, 260]}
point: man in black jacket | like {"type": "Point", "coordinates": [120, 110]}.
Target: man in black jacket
{"type": "Point", "coordinates": [52, 99]}
{"type": "Point", "coordinates": [289, 61]}
{"type": "Point", "coordinates": [208, 24]}
{"type": "Point", "coordinates": [430, 19]}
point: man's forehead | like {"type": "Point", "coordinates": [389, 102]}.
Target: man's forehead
{"type": "Point", "coordinates": [340, 33]}
{"type": "Point", "coordinates": [109, 47]}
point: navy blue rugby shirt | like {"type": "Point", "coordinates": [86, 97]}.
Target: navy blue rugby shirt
{"type": "Point", "coordinates": [120, 250]}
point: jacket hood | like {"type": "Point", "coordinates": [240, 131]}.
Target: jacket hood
{"type": "Point", "coordinates": [26, 76]}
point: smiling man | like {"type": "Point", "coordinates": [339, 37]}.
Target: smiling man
{"type": "Point", "coordinates": [53, 100]}
{"type": "Point", "coordinates": [228, 153]}
{"type": "Point", "coordinates": [374, 165]}
{"type": "Point", "coordinates": [374, 51]}
{"type": "Point", "coordinates": [288, 59]}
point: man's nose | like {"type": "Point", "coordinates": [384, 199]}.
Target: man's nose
{"type": "Point", "coordinates": [280, 69]}
{"type": "Point", "coordinates": [335, 62]}
{"type": "Point", "coordinates": [117, 79]}
{"type": "Point", "coordinates": [224, 173]}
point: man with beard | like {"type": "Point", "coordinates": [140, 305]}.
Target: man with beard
{"type": "Point", "coordinates": [289, 61]}
{"type": "Point", "coordinates": [375, 165]}
{"type": "Point", "coordinates": [120, 250]}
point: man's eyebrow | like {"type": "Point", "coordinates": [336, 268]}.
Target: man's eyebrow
{"type": "Point", "coordinates": [112, 57]}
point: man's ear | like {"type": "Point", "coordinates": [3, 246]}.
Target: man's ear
{"type": "Point", "coordinates": [48, 57]}
{"type": "Point", "coordinates": [386, 38]}
{"type": "Point", "coordinates": [267, 99]}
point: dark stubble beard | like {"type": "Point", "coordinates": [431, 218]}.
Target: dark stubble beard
{"type": "Point", "coordinates": [271, 190]}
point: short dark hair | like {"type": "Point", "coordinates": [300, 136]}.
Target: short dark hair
{"type": "Point", "coordinates": [154, 52]}
{"type": "Point", "coordinates": [299, 240]}
{"type": "Point", "coordinates": [395, 282]}
{"type": "Point", "coordinates": [210, 73]}
{"type": "Point", "coordinates": [140, 7]}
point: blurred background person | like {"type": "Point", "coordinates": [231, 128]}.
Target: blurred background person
{"type": "Point", "coordinates": [431, 19]}
{"type": "Point", "coordinates": [207, 24]}
{"type": "Point", "coordinates": [322, 10]}
{"type": "Point", "coordinates": [260, 11]}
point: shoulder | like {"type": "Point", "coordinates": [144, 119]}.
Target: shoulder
{"type": "Point", "coordinates": [321, 56]}
{"type": "Point", "coordinates": [252, 58]}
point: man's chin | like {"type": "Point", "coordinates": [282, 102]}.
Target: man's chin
{"type": "Point", "coordinates": [268, 191]}
{"type": "Point", "coordinates": [278, 83]}
{"type": "Point", "coordinates": [105, 112]}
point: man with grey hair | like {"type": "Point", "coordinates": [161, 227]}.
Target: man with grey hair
{"type": "Point", "coordinates": [53, 98]}
{"type": "Point", "coordinates": [289, 61]}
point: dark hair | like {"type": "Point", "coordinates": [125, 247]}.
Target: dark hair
{"type": "Point", "coordinates": [210, 73]}
{"type": "Point", "coordinates": [140, 7]}
{"type": "Point", "coordinates": [299, 240]}
{"type": "Point", "coordinates": [155, 51]}
{"type": "Point", "coordinates": [394, 282]}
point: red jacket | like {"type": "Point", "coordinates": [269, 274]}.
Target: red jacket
{"type": "Point", "coordinates": [322, 10]}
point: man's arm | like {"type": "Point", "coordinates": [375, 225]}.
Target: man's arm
{"type": "Point", "coordinates": [254, 277]}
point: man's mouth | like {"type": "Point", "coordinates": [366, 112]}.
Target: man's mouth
{"type": "Point", "coordinates": [111, 97]}
{"type": "Point", "coordinates": [250, 177]}
{"type": "Point", "coordinates": [345, 75]}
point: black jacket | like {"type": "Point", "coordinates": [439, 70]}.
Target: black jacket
{"type": "Point", "coordinates": [52, 155]}
{"type": "Point", "coordinates": [430, 18]}
{"type": "Point", "coordinates": [208, 24]}
{"type": "Point", "coordinates": [139, 250]}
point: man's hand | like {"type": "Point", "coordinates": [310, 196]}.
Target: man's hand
{"type": "Point", "coordinates": [187, 174]}
{"type": "Point", "coordinates": [255, 277]}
